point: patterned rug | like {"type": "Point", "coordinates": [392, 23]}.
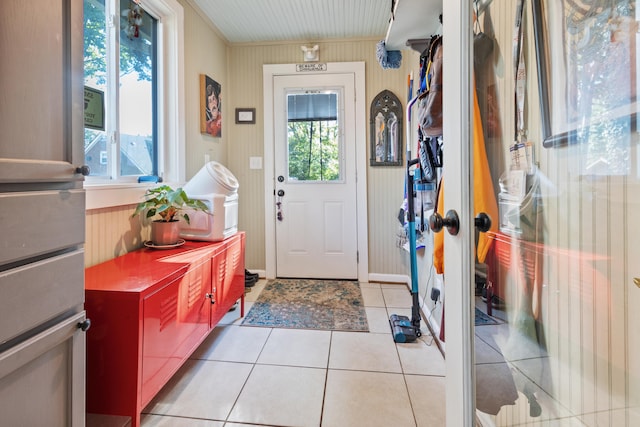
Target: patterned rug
{"type": "Point", "coordinates": [309, 304]}
{"type": "Point", "coordinates": [484, 319]}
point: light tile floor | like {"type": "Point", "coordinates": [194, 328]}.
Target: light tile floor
{"type": "Point", "coordinates": [245, 376]}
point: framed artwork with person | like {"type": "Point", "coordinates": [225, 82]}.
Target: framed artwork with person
{"type": "Point", "coordinates": [210, 106]}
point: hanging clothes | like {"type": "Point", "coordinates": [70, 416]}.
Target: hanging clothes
{"type": "Point", "coordinates": [483, 195]}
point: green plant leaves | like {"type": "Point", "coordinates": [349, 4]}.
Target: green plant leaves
{"type": "Point", "coordinates": [168, 203]}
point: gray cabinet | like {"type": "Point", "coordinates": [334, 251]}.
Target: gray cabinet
{"type": "Point", "coordinates": [41, 91]}
{"type": "Point", "coordinates": [42, 214]}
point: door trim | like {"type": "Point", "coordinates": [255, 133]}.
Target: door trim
{"type": "Point", "coordinates": [269, 71]}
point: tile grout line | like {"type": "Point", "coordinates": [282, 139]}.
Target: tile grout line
{"type": "Point", "coordinates": [244, 384]}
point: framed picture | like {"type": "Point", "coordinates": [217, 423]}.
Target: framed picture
{"type": "Point", "coordinates": [210, 106]}
{"type": "Point", "coordinates": [245, 116]}
{"type": "Point", "coordinates": [385, 118]}
{"type": "Point", "coordinates": [587, 66]}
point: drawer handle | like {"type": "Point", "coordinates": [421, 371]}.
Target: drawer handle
{"type": "Point", "coordinates": [84, 325]}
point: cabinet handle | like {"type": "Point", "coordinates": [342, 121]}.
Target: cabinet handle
{"type": "Point", "coordinates": [210, 296]}
{"type": "Point", "coordinates": [84, 325]}
{"type": "Point", "coordinates": [85, 170]}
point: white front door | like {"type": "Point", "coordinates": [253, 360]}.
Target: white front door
{"type": "Point", "coordinates": [315, 176]}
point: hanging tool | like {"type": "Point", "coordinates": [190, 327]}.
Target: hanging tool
{"type": "Point", "coordinates": [403, 328]}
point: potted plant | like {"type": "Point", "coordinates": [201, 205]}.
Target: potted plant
{"type": "Point", "coordinates": [171, 205]}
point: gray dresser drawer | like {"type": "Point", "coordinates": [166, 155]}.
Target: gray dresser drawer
{"type": "Point", "coordinates": [39, 222]}
{"type": "Point", "coordinates": [37, 292]}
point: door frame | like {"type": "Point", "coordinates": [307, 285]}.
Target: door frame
{"type": "Point", "coordinates": [269, 71]}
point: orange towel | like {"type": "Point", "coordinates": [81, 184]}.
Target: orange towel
{"type": "Point", "coordinates": [483, 194]}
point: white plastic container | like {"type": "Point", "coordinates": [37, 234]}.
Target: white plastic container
{"type": "Point", "coordinates": [222, 223]}
{"type": "Point", "coordinates": [216, 186]}
{"type": "Point", "coordinates": [214, 178]}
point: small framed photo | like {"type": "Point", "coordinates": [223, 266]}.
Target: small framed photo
{"type": "Point", "coordinates": [245, 116]}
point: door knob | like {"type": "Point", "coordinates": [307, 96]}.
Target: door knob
{"type": "Point", "coordinates": [482, 222]}
{"type": "Point", "coordinates": [280, 193]}
{"type": "Point", "coordinates": [636, 280]}
{"type": "Point", "coordinates": [450, 220]}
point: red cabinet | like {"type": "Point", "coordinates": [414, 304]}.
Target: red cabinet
{"type": "Point", "coordinates": [150, 309]}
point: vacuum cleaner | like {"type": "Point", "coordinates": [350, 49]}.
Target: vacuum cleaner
{"type": "Point", "coordinates": [403, 328]}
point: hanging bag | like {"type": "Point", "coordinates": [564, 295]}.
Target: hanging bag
{"type": "Point", "coordinates": [430, 107]}
{"type": "Point", "coordinates": [482, 42]}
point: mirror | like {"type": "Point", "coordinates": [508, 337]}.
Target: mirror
{"type": "Point", "coordinates": [386, 130]}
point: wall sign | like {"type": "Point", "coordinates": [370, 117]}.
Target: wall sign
{"type": "Point", "coordinates": [301, 68]}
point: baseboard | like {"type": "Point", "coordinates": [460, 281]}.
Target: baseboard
{"type": "Point", "coordinates": [389, 278]}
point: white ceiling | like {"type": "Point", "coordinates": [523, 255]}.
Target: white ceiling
{"type": "Point", "coordinates": [245, 21]}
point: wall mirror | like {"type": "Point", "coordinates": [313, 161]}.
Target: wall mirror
{"type": "Point", "coordinates": [386, 130]}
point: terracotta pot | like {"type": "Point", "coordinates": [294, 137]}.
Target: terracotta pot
{"type": "Point", "coordinates": [165, 233]}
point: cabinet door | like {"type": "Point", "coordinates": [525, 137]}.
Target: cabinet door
{"type": "Point", "coordinates": [176, 320]}
{"type": "Point", "coordinates": [41, 90]}
{"type": "Point", "coordinates": [234, 280]}
{"type": "Point", "coordinates": [42, 378]}
{"type": "Point", "coordinates": [218, 274]}
{"type": "Point", "coordinates": [227, 275]}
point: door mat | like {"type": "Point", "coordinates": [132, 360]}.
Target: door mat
{"type": "Point", "coordinates": [335, 305]}
{"type": "Point", "coordinates": [484, 319]}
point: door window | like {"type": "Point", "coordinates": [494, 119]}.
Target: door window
{"type": "Point", "coordinates": [314, 136]}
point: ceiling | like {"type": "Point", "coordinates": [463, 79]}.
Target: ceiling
{"type": "Point", "coordinates": [247, 21]}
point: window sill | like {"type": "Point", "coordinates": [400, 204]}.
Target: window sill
{"type": "Point", "coordinates": [100, 196]}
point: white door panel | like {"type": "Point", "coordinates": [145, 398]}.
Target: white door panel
{"type": "Point", "coordinates": [316, 233]}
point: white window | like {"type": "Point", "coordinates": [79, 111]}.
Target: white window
{"type": "Point", "coordinates": [133, 54]}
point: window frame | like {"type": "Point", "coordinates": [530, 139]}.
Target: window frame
{"type": "Point", "coordinates": [101, 192]}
